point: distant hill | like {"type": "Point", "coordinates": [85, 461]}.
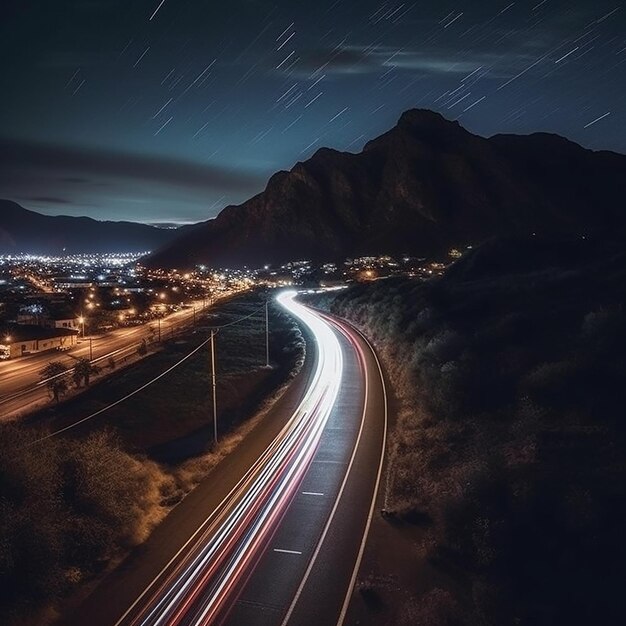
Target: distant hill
{"type": "Point", "coordinates": [25, 231]}
{"type": "Point", "coordinates": [423, 186]}
{"type": "Point", "coordinates": [508, 374]}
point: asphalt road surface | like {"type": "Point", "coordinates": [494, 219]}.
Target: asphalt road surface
{"type": "Point", "coordinates": [276, 532]}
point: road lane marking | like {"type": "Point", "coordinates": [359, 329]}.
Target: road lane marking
{"type": "Point", "coordinates": [214, 515]}
{"type": "Point", "coordinates": [357, 565]}
{"type": "Point", "coordinates": [220, 510]}
{"type": "Point", "coordinates": [287, 551]}
{"type": "Point", "coordinates": [312, 493]}
{"type": "Point", "coordinates": [318, 548]}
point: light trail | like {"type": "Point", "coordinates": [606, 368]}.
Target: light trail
{"type": "Point", "coordinates": [156, 10]}
{"type": "Point", "coordinates": [200, 588]}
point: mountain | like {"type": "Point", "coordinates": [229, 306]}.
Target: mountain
{"type": "Point", "coordinates": [424, 186]}
{"type": "Point", "coordinates": [22, 230]}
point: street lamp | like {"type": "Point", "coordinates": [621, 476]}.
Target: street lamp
{"type": "Point", "coordinates": [81, 321]}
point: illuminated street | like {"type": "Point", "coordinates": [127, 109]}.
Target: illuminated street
{"type": "Point", "coordinates": [207, 575]}
{"type": "Point", "coordinates": [20, 383]}
{"type": "Point", "coordinates": [312, 313]}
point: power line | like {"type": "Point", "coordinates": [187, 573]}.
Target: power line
{"type": "Point", "coordinates": [126, 397]}
{"type": "Point", "coordinates": [237, 321]}
{"type": "Point", "coordinates": [214, 331]}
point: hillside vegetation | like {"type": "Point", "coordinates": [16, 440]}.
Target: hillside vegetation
{"type": "Point", "coordinates": [67, 508]}
{"type": "Point", "coordinates": [509, 447]}
{"type": "Point", "coordinates": [70, 508]}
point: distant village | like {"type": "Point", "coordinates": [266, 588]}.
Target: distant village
{"type": "Point", "coordinates": [52, 303]}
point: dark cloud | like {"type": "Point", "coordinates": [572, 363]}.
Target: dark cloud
{"type": "Point", "coordinates": [355, 59]}
{"type": "Point", "coordinates": [29, 158]}
{"type": "Point", "coordinates": [118, 185]}
{"type": "Point", "coordinates": [74, 180]}
{"type": "Point", "coordinates": [48, 200]}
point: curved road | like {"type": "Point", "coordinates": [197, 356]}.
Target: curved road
{"type": "Point", "coordinates": [275, 534]}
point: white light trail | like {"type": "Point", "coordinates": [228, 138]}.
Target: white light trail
{"type": "Point", "coordinates": [286, 40]}
{"type": "Point", "coordinates": [332, 119]}
{"type": "Point", "coordinates": [143, 54]}
{"type": "Point", "coordinates": [317, 81]}
{"type": "Point", "coordinates": [566, 55]}
{"type": "Point", "coordinates": [164, 125]}
{"type": "Point", "coordinates": [454, 20]}
{"type": "Point", "coordinates": [285, 31]}
{"type": "Point", "coordinates": [310, 102]}
{"type": "Point", "coordinates": [530, 67]}
{"type": "Point", "coordinates": [471, 106]}
{"type": "Point", "coordinates": [198, 589]}
{"type": "Point", "coordinates": [156, 10]}
{"type": "Point", "coordinates": [285, 59]}
{"type": "Point", "coordinates": [161, 109]}
{"type": "Point", "coordinates": [597, 120]}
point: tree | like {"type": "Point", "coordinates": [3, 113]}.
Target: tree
{"type": "Point", "coordinates": [142, 349]}
{"type": "Point", "coordinates": [83, 371]}
{"type": "Point", "coordinates": [55, 376]}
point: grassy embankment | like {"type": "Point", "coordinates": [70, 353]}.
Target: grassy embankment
{"type": "Point", "coordinates": [506, 462]}
{"type": "Point", "coordinates": [73, 504]}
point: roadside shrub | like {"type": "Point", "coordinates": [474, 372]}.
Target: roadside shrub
{"type": "Point", "coordinates": [510, 439]}
{"type": "Point", "coordinates": [66, 508]}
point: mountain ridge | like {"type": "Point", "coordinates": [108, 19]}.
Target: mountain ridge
{"type": "Point", "coordinates": [423, 186]}
{"type": "Point", "coordinates": [25, 231]}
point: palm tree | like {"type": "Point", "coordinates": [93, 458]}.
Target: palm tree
{"type": "Point", "coordinates": [55, 376]}
{"type": "Point", "coordinates": [83, 371]}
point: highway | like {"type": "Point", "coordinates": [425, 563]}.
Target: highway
{"type": "Point", "coordinates": [20, 384]}
{"type": "Point", "coordinates": [275, 534]}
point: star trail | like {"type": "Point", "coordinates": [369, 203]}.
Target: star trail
{"type": "Point", "coordinates": [106, 102]}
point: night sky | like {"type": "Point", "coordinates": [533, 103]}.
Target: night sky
{"type": "Point", "coordinates": [167, 111]}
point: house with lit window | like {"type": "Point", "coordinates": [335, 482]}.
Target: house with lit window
{"type": "Point", "coordinates": [60, 320]}
{"type": "Point", "coordinates": [21, 339]}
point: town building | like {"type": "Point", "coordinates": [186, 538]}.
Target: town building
{"type": "Point", "coordinates": [22, 339]}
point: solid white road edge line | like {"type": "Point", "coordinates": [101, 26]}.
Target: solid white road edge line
{"type": "Point", "coordinates": [357, 565]}
{"type": "Point", "coordinates": [307, 573]}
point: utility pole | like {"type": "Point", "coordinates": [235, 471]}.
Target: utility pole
{"type": "Point", "coordinates": [213, 385]}
{"type": "Point", "coordinates": [194, 314]}
{"type": "Point", "coordinates": [267, 334]}
{"type": "Point", "coordinates": [159, 329]}
{"type": "Point", "coordinates": [91, 348]}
